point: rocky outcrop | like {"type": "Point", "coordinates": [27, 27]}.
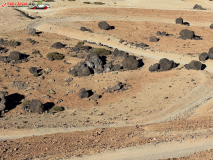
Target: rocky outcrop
{"type": "Point", "coordinates": [34, 107]}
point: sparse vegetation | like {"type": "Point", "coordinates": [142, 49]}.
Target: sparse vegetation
{"type": "Point", "coordinates": [55, 55]}
{"type": "Point", "coordinates": [49, 1]}
{"type": "Point", "coordinates": [35, 74]}
{"type": "Point", "coordinates": [26, 102]}
{"type": "Point", "coordinates": [33, 41]}
{"type": "Point", "coordinates": [11, 43]}
{"type": "Point", "coordinates": [73, 55]}
{"type": "Point", "coordinates": [80, 43]}
{"type": "Point", "coordinates": [57, 108]}
{"type": "Point", "coordinates": [102, 51]}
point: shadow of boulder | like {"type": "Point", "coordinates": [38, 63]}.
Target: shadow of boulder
{"type": "Point", "coordinates": [13, 100]}
{"type": "Point", "coordinates": [48, 106]}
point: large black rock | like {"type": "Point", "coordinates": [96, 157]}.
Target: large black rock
{"type": "Point", "coordinates": [104, 25]}
{"type": "Point", "coordinates": [165, 64]}
{"type": "Point", "coordinates": [187, 34]}
{"type": "Point", "coordinates": [130, 63]}
{"type": "Point", "coordinates": [196, 65]}
{"type": "Point", "coordinates": [179, 20]}
{"type": "Point", "coordinates": [83, 93]}
{"type": "Point", "coordinates": [203, 56]}
{"type": "Point", "coordinates": [58, 45]}
{"type": "Point", "coordinates": [154, 67]}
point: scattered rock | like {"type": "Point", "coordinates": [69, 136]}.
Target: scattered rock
{"type": "Point", "coordinates": [85, 29]}
{"type": "Point", "coordinates": [14, 55]}
{"type": "Point", "coordinates": [104, 25]}
{"type": "Point", "coordinates": [36, 107]}
{"type": "Point", "coordinates": [210, 54]}
{"type": "Point", "coordinates": [179, 21]}
{"type": "Point", "coordinates": [119, 53]}
{"type": "Point", "coordinates": [19, 84]}
{"type": "Point", "coordinates": [83, 93]}
{"type": "Point", "coordinates": [32, 32]}
{"type": "Point", "coordinates": [153, 39]}
{"type": "Point", "coordinates": [196, 6]}
{"type": "Point", "coordinates": [154, 67]}
{"type": "Point", "coordinates": [211, 26]}
{"type": "Point", "coordinates": [203, 56]}
{"type": "Point", "coordinates": [187, 34]}
{"type": "Point", "coordinates": [58, 45]}
{"type": "Point", "coordinates": [196, 65]}
{"type": "Point", "coordinates": [95, 97]}
{"type": "Point", "coordinates": [165, 64]}
{"type": "Point", "coordinates": [68, 79]}
{"type": "Point", "coordinates": [130, 63]}
{"type": "Point", "coordinates": [33, 70]}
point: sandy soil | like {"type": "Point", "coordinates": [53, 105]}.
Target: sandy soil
{"type": "Point", "coordinates": [161, 112]}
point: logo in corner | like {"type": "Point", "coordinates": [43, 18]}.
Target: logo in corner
{"type": "Point", "coordinates": [3, 5]}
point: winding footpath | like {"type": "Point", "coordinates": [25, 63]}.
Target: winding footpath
{"type": "Point", "coordinates": [148, 152]}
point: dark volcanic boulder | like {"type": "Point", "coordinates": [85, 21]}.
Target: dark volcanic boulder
{"type": "Point", "coordinates": [158, 33]}
{"type": "Point", "coordinates": [196, 6]}
{"type": "Point", "coordinates": [130, 63]}
{"type": "Point", "coordinates": [58, 45]}
{"type": "Point", "coordinates": [179, 20]}
{"type": "Point", "coordinates": [36, 107]}
{"type": "Point", "coordinates": [81, 69]}
{"type": "Point", "coordinates": [2, 41]}
{"type": "Point", "coordinates": [153, 39]}
{"type": "Point", "coordinates": [83, 93]}
{"type": "Point", "coordinates": [141, 45]}
{"type": "Point", "coordinates": [196, 65]}
{"type": "Point", "coordinates": [211, 53]}
{"type": "Point", "coordinates": [33, 70]}
{"type": "Point", "coordinates": [2, 101]}
{"type": "Point", "coordinates": [14, 55]}
{"type": "Point", "coordinates": [211, 26]}
{"type": "Point", "coordinates": [104, 25]}
{"type": "Point", "coordinates": [95, 97]}
{"type": "Point", "coordinates": [116, 67]}
{"type": "Point", "coordinates": [119, 54]}
{"type": "Point", "coordinates": [165, 64]}
{"type": "Point", "coordinates": [32, 32]}
{"type": "Point", "coordinates": [187, 34]}
{"type": "Point", "coordinates": [203, 56]}
{"type": "Point", "coordinates": [154, 67]}
{"type": "Point", "coordinates": [85, 29]}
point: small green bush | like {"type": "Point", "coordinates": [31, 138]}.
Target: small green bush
{"type": "Point", "coordinates": [26, 102]}
{"type": "Point", "coordinates": [99, 3]}
{"type": "Point", "coordinates": [102, 51]}
{"type": "Point", "coordinates": [57, 108]}
{"type": "Point", "coordinates": [11, 43]}
{"type": "Point", "coordinates": [73, 55]}
{"type": "Point", "coordinates": [49, 1]}
{"type": "Point", "coordinates": [80, 43]}
{"type": "Point", "coordinates": [35, 74]}
{"type": "Point", "coordinates": [86, 2]}
{"type": "Point", "coordinates": [55, 55]}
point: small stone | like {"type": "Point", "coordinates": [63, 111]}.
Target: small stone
{"type": "Point", "coordinates": [37, 85]}
{"type": "Point", "coordinates": [114, 72]}
{"type": "Point", "coordinates": [41, 77]}
{"type": "Point", "coordinates": [58, 101]}
{"type": "Point", "coordinates": [69, 91]}
{"type": "Point", "coordinates": [68, 79]}
{"type": "Point", "coordinates": [27, 94]}
{"type": "Point", "coordinates": [30, 88]}
{"type": "Point", "coordinates": [66, 84]}
{"type": "Point", "coordinates": [46, 96]}
{"type": "Point", "coordinates": [51, 91]}
{"type": "Point", "coordinates": [51, 80]}
{"type": "Point", "coordinates": [3, 69]}
{"type": "Point", "coordinates": [48, 69]}
{"type": "Point", "coordinates": [87, 99]}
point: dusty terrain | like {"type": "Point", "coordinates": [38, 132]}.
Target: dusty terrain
{"type": "Point", "coordinates": [162, 115]}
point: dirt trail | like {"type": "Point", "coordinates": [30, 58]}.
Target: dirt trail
{"type": "Point", "coordinates": [152, 151]}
